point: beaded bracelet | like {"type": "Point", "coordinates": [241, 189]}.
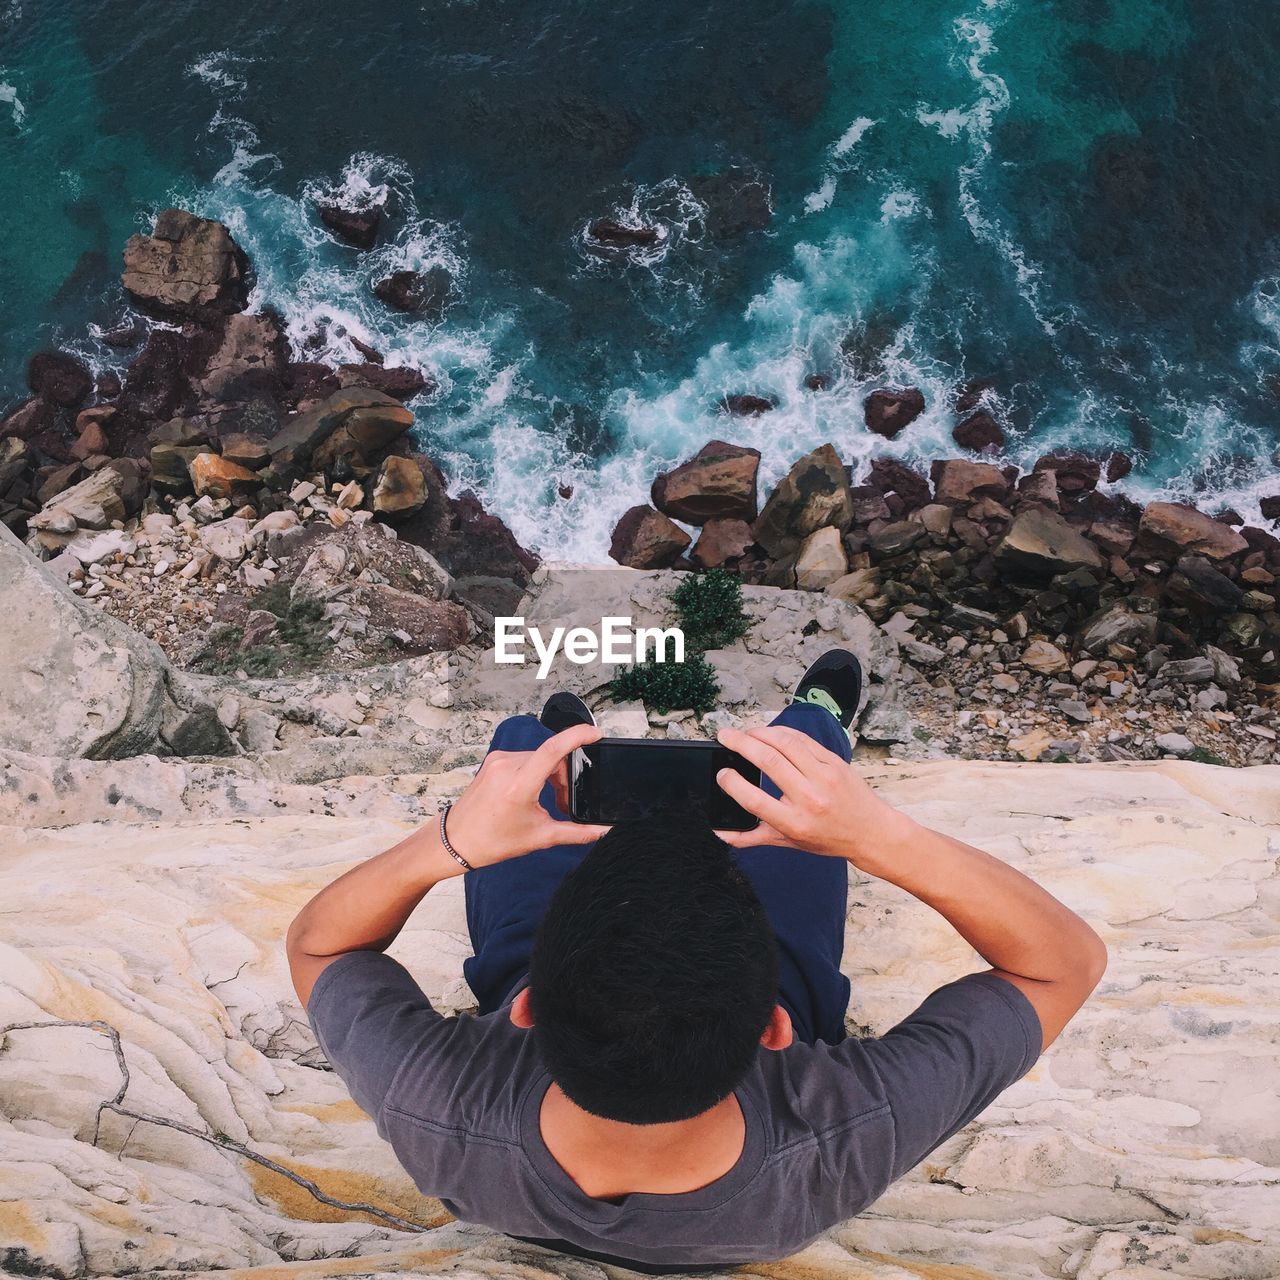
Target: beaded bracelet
{"type": "Point", "coordinates": [448, 848]}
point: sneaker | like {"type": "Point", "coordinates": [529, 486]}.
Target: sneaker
{"type": "Point", "coordinates": [834, 683]}
{"type": "Point", "coordinates": [563, 710]}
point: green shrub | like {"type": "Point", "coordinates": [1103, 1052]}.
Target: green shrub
{"type": "Point", "coordinates": [710, 609]}
{"type": "Point", "coordinates": [670, 686]}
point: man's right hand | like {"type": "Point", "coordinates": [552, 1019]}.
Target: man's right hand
{"type": "Point", "coordinates": [825, 807]}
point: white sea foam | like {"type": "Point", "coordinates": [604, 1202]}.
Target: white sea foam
{"type": "Point", "coordinates": [821, 199]}
{"type": "Point", "coordinates": [901, 204]}
{"type": "Point", "coordinates": [9, 96]}
{"type": "Point", "coordinates": [222, 70]}
{"type": "Point", "coordinates": [852, 135]}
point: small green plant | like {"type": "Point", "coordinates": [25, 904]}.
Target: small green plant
{"type": "Point", "coordinates": [1201, 756]}
{"type": "Point", "coordinates": [670, 686]}
{"type": "Point", "coordinates": [710, 609]}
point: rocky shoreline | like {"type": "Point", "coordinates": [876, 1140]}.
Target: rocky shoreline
{"type": "Point", "coordinates": [259, 515]}
{"type": "Point", "coordinates": [1038, 615]}
{"type": "Point", "coordinates": [239, 506]}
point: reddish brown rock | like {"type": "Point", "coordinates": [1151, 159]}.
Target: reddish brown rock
{"type": "Point", "coordinates": [957, 481]}
{"type": "Point", "coordinates": [220, 478]}
{"type": "Point", "coordinates": [28, 420]}
{"type": "Point", "coordinates": [721, 542]}
{"type": "Point", "coordinates": [1075, 473]}
{"type": "Point", "coordinates": [979, 432]}
{"type": "Point", "coordinates": [1118, 466]}
{"type": "Point", "coordinates": [718, 482]}
{"type": "Point", "coordinates": [60, 378]}
{"type": "Point", "coordinates": [817, 381]}
{"type": "Point", "coordinates": [400, 381]}
{"type": "Point", "coordinates": [887, 412]}
{"type": "Point", "coordinates": [646, 539]}
{"type": "Point", "coordinates": [1175, 527]}
{"type": "Point", "coordinates": [971, 394]}
{"type": "Point", "coordinates": [189, 268]}
{"type": "Point", "coordinates": [245, 451]}
{"type": "Point", "coordinates": [891, 476]}
{"type": "Point", "coordinates": [424, 293]}
{"type": "Point", "coordinates": [93, 439]}
{"type": "Point", "coordinates": [1113, 536]}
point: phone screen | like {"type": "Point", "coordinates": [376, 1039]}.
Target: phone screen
{"type": "Point", "coordinates": [621, 779]}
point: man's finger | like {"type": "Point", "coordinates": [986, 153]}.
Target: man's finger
{"type": "Point", "coordinates": [573, 833]}
{"type": "Point", "coordinates": [542, 762]}
{"type": "Point", "coordinates": [798, 747]}
{"type": "Point", "coordinates": [750, 797]}
{"type": "Point", "coordinates": [758, 835]}
{"type": "Point", "coordinates": [770, 759]}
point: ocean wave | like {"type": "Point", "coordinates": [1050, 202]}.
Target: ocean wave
{"type": "Point", "coordinates": [840, 160]}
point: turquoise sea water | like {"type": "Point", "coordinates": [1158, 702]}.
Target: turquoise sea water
{"type": "Point", "coordinates": [1077, 198]}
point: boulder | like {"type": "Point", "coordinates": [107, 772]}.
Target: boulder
{"type": "Point", "coordinates": [855, 587]}
{"type": "Point", "coordinates": [15, 458]}
{"type": "Point", "coordinates": [1039, 486]}
{"type": "Point", "coordinates": [423, 293]}
{"type": "Point", "coordinates": [868, 504]}
{"type": "Point", "coordinates": [357, 227]}
{"type": "Point", "coordinates": [171, 467]}
{"type": "Point", "coordinates": [400, 489]}
{"type": "Point", "coordinates": [1270, 507]}
{"type": "Point", "coordinates": [189, 268]}
{"type": "Point", "coordinates": [77, 682]}
{"type": "Point", "coordinates": [29, 419]}
{"type": "Point", "coordinates": [431, 624]}
{"type": "Point", "coordinates": [1197, 670]}
{"type": "Point", "coordinates": [897, 537]}
{"type": "Point", "coordinates": [979, 432]}
{"type": "Point", "coordinates": [1118, 625]}
{"type": "Point", "coordinates": [1118, 466]}
{"type": "Point", "coordinates": [621, 234]}
{"type": "Point", "coordinates": [245, 451]}
{"type": "Point", "coordinates": [1074, 472]}
{"type": "Point", "coordinates": [228, 539]}
{"type": "Point", "coordinates": [401, 381]}
{"type": "Point", "coordinates": [821, 560]}
{"type": "Point", "coordinates": [646, 539]}
{"type": "Point", "coordinates": [384, 418]}
{"type": "Point", "coordinates": [811, 496]}
{"type": "Point", "coordinates": [743, 405]}
{"type": "Point", "coordinates": [1040, 543]}
{"type": "Point", "coordinates": [93, 503]}
{"type": "Point", "coordinates": [959, 482]}
{"type": "Point", "coordinates": [722, 540]}
{"type": "Point", "coordinates": [364, 432]}
{"type": "Point", "coordinates": [1196, 585]}
{"type": "Point", "coordinates": [718, 482]}
{"type": "Point", "coordinates": [887, 412]}
{"type": "Point", "coordinates": [221, 478]}
{"type": "Point", "coordinates": [1044, 658]}
{"type": "Point", "coordinates": [1174, 527]}
{"type": "Point", "coordinates": [60, 378]}
{"type": "Point", "coordinates": [889, 475]}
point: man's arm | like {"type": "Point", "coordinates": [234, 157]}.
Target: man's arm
{"type": "Point", "coordinates": [497, 817]}
{"type": "Point", "coordinates": [1028, 937]}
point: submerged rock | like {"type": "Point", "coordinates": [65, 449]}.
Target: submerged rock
{"type": "Point", "coordinates": [624, 235]}
{"type": "Point", "coordinates": [980, 432]}
{"type": "Point", "coordinates": [356, 227]}
{"type": "Point", "coordinates": [423, 293]}
{"type": "Point", "coordinates": [744, 405]}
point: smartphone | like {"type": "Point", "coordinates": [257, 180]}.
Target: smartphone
{"type": "Point", "coordinates": [620, 779]}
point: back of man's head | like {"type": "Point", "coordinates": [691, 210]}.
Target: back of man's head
{"type": "Point", "coordinates": [653, 975]}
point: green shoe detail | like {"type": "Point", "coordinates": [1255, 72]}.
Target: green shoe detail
{"type": "Point", "coordinates": [821, 698]}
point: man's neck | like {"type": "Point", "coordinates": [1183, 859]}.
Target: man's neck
{"type": "Point", "coordinates": [607, 1158]}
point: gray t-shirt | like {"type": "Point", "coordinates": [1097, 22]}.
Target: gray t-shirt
{"type": "Point", "coordinates": [828, 1127]}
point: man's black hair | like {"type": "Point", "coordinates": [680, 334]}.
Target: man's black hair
{"type": "Point", "coordinates": [653, 974]}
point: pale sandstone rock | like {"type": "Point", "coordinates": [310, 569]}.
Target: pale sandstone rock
{"type": "Point", "coordinates": [1144, 1143]}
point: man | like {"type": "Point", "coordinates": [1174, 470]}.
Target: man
{"type": "Point", "coordinates": [659, 1074]}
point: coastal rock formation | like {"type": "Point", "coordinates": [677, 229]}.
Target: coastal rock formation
{"type": "Point", "coordinates": [189, 268]}
{"type": "Point", "coordinates": [646, 539]}
{"type": "Point", "coordinates": [1142, 1144]}
{"type": "Point", "coordinates": [889, 412]}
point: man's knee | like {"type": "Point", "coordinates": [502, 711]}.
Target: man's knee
{"type": "Point", "coordinates": [519, 733]}
{"type": "Point", "coordinates": [819, 724]}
